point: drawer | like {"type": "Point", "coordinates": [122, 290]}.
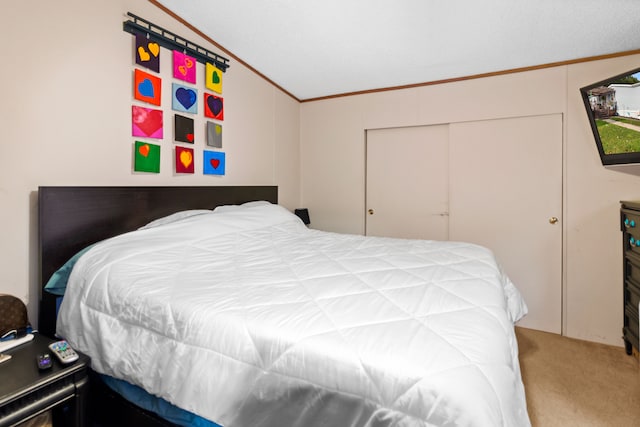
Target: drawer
{"type": "Point", "coordinates": [631, 327]}
{"type": "Point", "coordinates": [632, 266]}
{"type": "Point", "coordinates": [630, 225]}
{"type": "Point", "coordinates": [631, 242]}
{"type": "Point", "coordinates": [629, 220]}
{"type": "Point", "coordinates": [631, 293]}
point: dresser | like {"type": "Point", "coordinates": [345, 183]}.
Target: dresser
{"type": "Point", "coordinates": [630, 226]}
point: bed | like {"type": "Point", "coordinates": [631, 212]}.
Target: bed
{"type": "Point", "coordinates": [230, 308]}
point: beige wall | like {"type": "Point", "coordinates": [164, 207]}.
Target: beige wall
{"type": "Point", "coordinates": [332, 148]}
{"type": "Point", "coordinates": [65, 120]}
{"type": "Point", "coordinates": [65, 115]}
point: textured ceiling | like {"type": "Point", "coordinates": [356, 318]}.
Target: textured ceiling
{"type": "Point", "coordinates": [314, 49]}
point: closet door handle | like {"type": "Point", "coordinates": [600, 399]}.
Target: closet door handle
{"type": "Point", "coordinates": [553, 220]}
{"type": "Point", "coordinates": [370, 211]}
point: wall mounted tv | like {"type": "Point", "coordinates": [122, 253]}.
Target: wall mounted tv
{"type": "Point", "coordinates": [613, 107]}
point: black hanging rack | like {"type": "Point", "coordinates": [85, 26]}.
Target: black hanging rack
{"type": "Point", "coordinates": [169, 40]}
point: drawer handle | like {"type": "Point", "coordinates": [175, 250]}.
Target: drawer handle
{"type": "Point", "coordinates": [633, 242]}
{"type": "Point", "coordinates": [629, 224]}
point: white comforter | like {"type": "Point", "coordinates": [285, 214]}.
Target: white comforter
{"type": "Point", "coordinates": [246, 317]}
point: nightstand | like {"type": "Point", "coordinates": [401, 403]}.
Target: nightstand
{"type": "Point", "coordinates": [26, 391]}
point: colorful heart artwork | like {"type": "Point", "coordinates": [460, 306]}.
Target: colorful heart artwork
{"type": "Point", "coordinates": [143, 54]}
{"type": "Point", "coordinates": [183, 129]}
{"type": "Point", "coordinates": [154, 48]}
{"type": "Point", "coordinates": [184, 98]}
{"type": "Point", "coordinates": [213, 79]}
{"type": "Point", "coordinates": [146, 122]}
{"type": "Point", "coordinates": [146, 157]}
{"type": "Point", "coordinates": [144, 150]}
{"type": "Point", "coordinates": [147, 53]}
{"type": "Point", "coordinates": [213, 106]}
{"type": "Point", "coordinates": [184, 67]}
{"type": "Point", "coordinates": [214, 134]}
{"type": "Point", "coordinates": [147, 87]}
{"type": "Point", "coordinates": [214, 162]}
{"type": "Point", "coordinates": [184, 160]}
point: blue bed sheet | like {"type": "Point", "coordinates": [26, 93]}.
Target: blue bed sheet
{"type": "Point", "coordinates": [57, 284]}
{"type": "Point", "coordinates": [159, 406]}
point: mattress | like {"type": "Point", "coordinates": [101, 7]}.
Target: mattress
{"type": "Point", "coordinates": [246, 317]}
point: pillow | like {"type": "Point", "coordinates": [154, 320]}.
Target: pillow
{"type": "Point", "coordinates": [174, 217]}
{"type": "Point", "coordinates": [256, 203]}
{"type": "Point", "coordinates": [57, 284]}
{"type": "Point", "coordinates": [231, 208]}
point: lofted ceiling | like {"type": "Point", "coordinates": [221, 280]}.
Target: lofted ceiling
{"type": "Point", "coordinates": [315, 49]}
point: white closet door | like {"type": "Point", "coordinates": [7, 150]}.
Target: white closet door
{"type": "Point", "coordinates": [406, 182]}
{"type": "Point", "coordinates": [506, 193]}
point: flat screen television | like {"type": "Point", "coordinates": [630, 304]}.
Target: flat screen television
{"type": "Point", "coordinates": [613, 107]}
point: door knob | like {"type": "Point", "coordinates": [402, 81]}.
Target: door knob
{"type": "Point", "coordinates": [553, 220]}
{"type": "Point", "coordinates": [370, 211]}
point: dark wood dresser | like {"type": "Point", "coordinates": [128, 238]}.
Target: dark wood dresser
{"type": "Point", "coordinates": [630, 226]}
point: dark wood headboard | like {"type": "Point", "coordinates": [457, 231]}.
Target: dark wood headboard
{"type": "Point", "coordinates": [71, 218]}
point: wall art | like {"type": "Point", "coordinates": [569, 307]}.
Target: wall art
{"type": "Point", "coordinates": [213, 78]}
{"type": "Point", "coordinates": [147, 87]}
{"type": "Point", "coordinates": [147, 53]}
{"type": "Point", "coordinates": [146, 157]}
{"type": "Point", "coordinates": [184, 160]}
{"type": "Point", "coordinates": [213, 106]}
{"type": "Point", "coordinates": [214, 134]}
{"type": "Point", "coordinates": [184, 98]}
{"type": "Point", "coordinates": [213, 163]}
{"type": "Point", "coordinates": [146, 122]}
{"type": "Point", "coordinates": [183, 129]}
{"type": "Point", "coordinates": [184, 67]}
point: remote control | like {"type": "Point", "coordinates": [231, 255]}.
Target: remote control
{"type": "Point", "coordinates": [63, 352]}
{"type": "Point", "coordinates": [44, 361]}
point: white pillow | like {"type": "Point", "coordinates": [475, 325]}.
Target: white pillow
{"type": "Point", "coordinates": [255, 203]}
{"type": "Point", "coordinates": [175, 217]}
{"type": "Point", "coordinates": [231, 208]}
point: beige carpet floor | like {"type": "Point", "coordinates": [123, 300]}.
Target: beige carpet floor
{"type": "Point", "coordinates": [571, 382]}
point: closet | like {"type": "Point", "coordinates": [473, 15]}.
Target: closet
{"type": "Point", "coordinates": [496, 182]}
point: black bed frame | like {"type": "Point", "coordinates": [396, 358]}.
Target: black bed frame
{"type": "Point", "coordinates": [71, 218]}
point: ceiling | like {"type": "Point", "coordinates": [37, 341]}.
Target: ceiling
{"type": "Point", "coordinates": [314, 49]}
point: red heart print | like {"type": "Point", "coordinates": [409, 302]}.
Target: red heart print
{"type": "Point", "coordinates": [190, 137]}
{"type": "Point", "coordinates": [215, 163]}
{"type": "Point", "coordinates": [144, 150]}
{"type": "Point", "coordinates": [147, 120]}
